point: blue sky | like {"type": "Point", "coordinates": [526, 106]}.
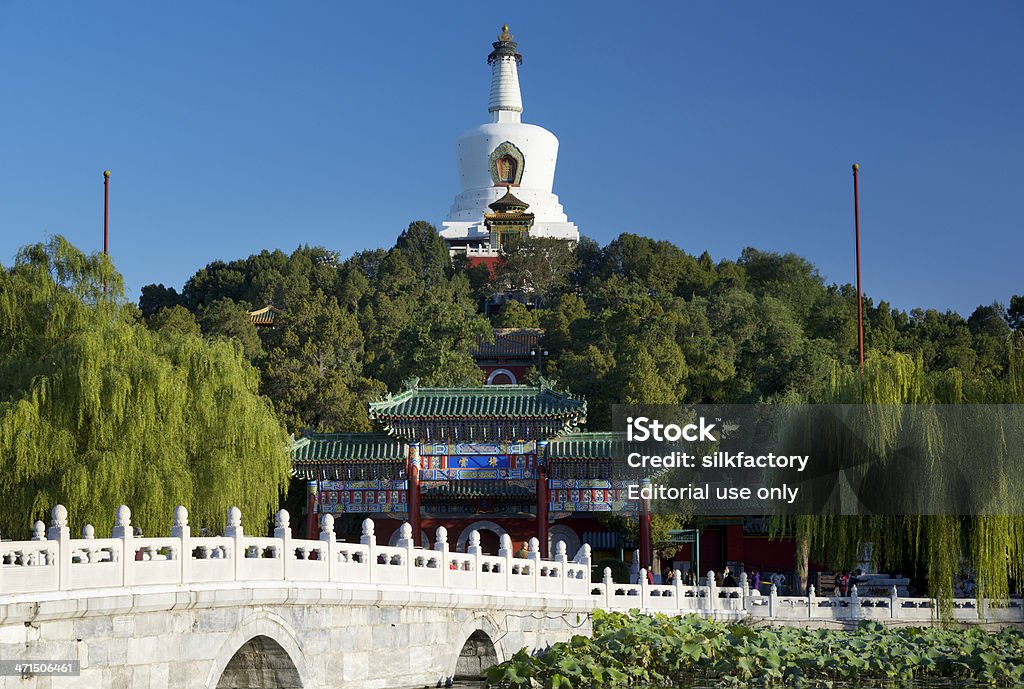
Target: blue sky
{"type": "Point", "coordinates": [233, 127]}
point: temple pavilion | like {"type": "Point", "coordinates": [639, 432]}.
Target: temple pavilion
{"type": "Point", "coordinates": [499, 459]}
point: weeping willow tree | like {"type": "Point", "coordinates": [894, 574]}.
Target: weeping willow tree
{"type": "Point", "coordinates": [96, 410]}
{"type": "Point", "coordinates": [990, 543]}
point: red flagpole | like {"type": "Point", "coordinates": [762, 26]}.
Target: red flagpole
{"type": "Point", "coordinates": [106, 219]}
{"type": "Point", "coordinates": [860, 300]}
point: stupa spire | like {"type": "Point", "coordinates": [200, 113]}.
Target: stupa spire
{"type": "Point", "coordinates": [506, 101]}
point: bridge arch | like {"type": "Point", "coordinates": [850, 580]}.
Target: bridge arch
{"type": "Point", "coordinates": [268, 637]}
{"type": "Point", "coordinates": [480, 639]}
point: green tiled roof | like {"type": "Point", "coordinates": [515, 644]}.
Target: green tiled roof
{"type": "Point", "coordinates": [490, 402]}
{"type": "Point", "coordinates": [587, 446]}
{"type": "Point", "coordinates": [333, 447]}
{"type": "Point", "coordinates": [519, 343]}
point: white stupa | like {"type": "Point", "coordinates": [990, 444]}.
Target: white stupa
{"type": "Point", "coordinates": [502, 154]}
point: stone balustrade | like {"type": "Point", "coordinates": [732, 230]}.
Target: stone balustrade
{"type": "Point", "coordinates": [53, 561]}
{"type": "Point", "coordinates": [891, 609]}
{"type": "Point", "coordinates": [733, 603]}
{"type": "Point", "coordinates": [708, 600]}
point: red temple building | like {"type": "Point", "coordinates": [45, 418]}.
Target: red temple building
{"type": "Point", "coordinates": [496, 459]}
{"type": "Point", "coordinates": [501, 459]}
{"type": "Point", "coordinates": [510, 357]}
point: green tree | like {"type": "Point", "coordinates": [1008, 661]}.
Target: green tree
{"type": "Point", "coordinates": [990, 546]}
{"type": "Point", "coordinates": [97, 410]}
{"type": "Point", "coordinates": [424, 251]}
{"type": "Point", "coordinates": [176, 321]}
{"type": "Point", "coordinates": [661, 266]}
{"type": "Point", "coordinates": [436, 346]}
{"type": "Point", "coordinates": [514, 314]}
{"type": "Point", "coordinates": [227, 318]}
{"type": "Point", "coordinates": [313, 368]}
{"type": "Point", "coordinates": [156, 297]}
{"type": "Point", "coordinates": [629, 528]}
{"type": "Point", "coordinates": [1015, 312]}
{"type": "Point", "coordinates": [537, 267]}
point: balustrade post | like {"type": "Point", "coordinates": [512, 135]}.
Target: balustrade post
{"type": "Point", "coordinates": [585, 557]}
{"type": "Point", "coordinates": [123, 530]}
{"type": "Point", "coordinates": [609, 587]}
{"type": "Point", "coordinates": [562, 560]}
{"type": "Point", "coordinates": [743, 590]}
{"type": "Point", "coordinates": [88, 532]}
{"type": "Point", "coordinates": [474, 550]}
{"type": "Point", "coordinates": [587, 561]}
{"type": "Point", "coordinates": [854, 603]}
{"type": "Point", "coordinates": [61, 534]}
{"type": "Point", "coordinates": [773, 601]}
{"type": "Point", "coordinates": [712, 590]}
{"type": "Point", "coordinates": [330, 542]}
{"type": "Point", "coordinates": [38, 534]}
{"type": "Point", "coordinates": [369, 539]}
{"type": "Point", "coordinates": [405, 536]}
{"type": "Point", "coordinates": [283, 533]}
{"type": "Point", "coordinates": [893, 601]}
{"type": "Point", "coordinates": [234, 531]}
{"type": "Point", "coordinates": [644, 590]}
{"type": "Point", "coordinates": [677, 591]}
{"type": "Point", "coordinates": [183, 532]}
{"type": "Point", "coordinates": [533, 555]}
{"type": "Point", "coordinates": [441, 547]}
{"type": "Point", "coordinates": [811, 601]}
{"type": "Point", "coordinates": [505, 552]}
{"type": "Point", "coordinates": [408, 541]}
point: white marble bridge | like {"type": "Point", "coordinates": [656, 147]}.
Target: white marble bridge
{"type": "Point", "coordinates": [233, 611]}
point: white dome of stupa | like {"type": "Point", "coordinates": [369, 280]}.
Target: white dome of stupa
{"type": "Point", "coordinates": [503, 153]}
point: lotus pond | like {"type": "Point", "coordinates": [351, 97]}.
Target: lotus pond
{"type": "Point", "coordinates": [630, 650]}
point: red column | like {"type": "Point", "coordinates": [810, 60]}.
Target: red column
{"type": "Point", "coordinates": [542, 506]}
{"type": "Point", "coordinates": [312, 521]}
{"type": "Point", "coordinates": [860, 299]}
{"type": "Point", "coordinates": [413, 486]}
{"type": "Point", "coordinates": [646, 552]}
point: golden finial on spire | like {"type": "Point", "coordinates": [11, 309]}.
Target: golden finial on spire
{"type": "Point", "coordinates": [505, 35]}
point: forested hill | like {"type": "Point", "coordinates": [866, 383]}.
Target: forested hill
{"type": "Point", "coordinates": [636, 320]}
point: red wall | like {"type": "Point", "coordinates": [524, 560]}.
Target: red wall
{"type": "Point", "coordinates": [756, 552]}
{"type": "Point", "coordinates": [492, 262]}
{"type": "Point", "coordinates": [519, 371]}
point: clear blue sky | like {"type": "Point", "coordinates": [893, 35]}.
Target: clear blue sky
{"type": "Point", "coordinates": [234, 127]}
